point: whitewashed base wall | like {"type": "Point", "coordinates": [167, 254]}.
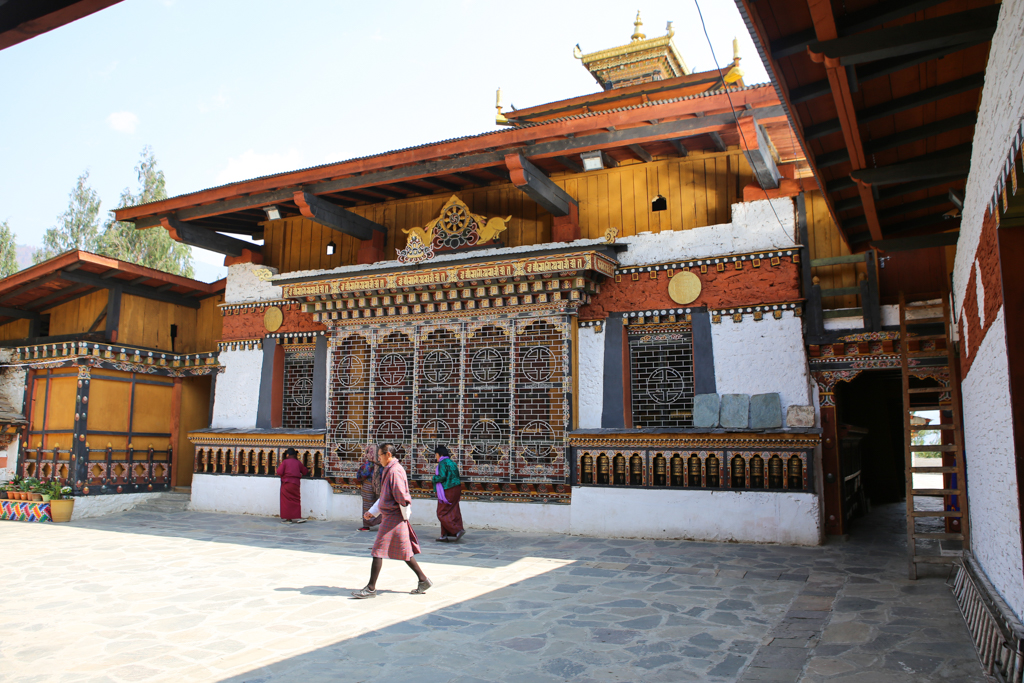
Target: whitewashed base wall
{"type": "Point", "coordinates": [97, 506]}
{"type": "Point", "coordinates": [747, 517]}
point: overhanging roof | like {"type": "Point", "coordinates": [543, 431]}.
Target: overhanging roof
{"type": "Point", "coordinates": [883, 95]}
{"type": "Point", "coordinates": [33, 291]}
{"type": "Point", "coordinates": [24, 19]}
{"type": "Point", "coordinates": [660, 119]}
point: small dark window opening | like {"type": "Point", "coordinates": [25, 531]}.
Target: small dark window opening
{"type": "Point", "coordinates": [174, 335]}
{"type": "Point", "coordinates": [659, 203]}
{"type": "Point", "coordinates": [331, 248]}
{"type": "Point", "coordinates": [44, 325]}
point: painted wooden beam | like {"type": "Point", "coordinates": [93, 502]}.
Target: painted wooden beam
{"type": "Point", "coordinates": [334, 217]}
{"type": "Point", "coordinates": [970, 26]}
{"type": "Point", "coordinates": [538, 187]}
{"type": "Point", "coordinates": [939, 239]}
{"type": "Point", "coordinates": [929, 166]}
{"type": "Point", "coordinates": [31, 285]}
{"type": "Point", "coordinates": [443, 184]}
{"type": "Point", "coordinates": [144, 292]}
{"type": "Point", "coordinates": [716, 138]}
{"type": "Point", "coordinates": [895, 106]}
{"type": "Point", "coordinates": [757, 149]}
{"type": "Point", "coordinates": [17, 313]}
{"type": "Point", "coordinates": [206, 239]}
{"type": "Point", "coordinates": [572, 165]}
{"type": "Point", "coordinates": [425, 170]}
{"type": "Point", "coordinates": [113, 313]}
{"type": "Point", "coordinates": [641, 153]}
{"type": "Point", "coordinates": [679, 147]}
{"type": "Point", "coordinates": [901, 138]}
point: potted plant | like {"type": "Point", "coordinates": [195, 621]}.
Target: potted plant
{"type": "Point", "coordinates": [61, 502]}
{"type": "Point", "coordinates": [31, 487]}
{"type": "Point", "coordinates": [13, 487]}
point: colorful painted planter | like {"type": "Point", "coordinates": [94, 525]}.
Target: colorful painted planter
{"type": "Point", "coordinates": [25, 511]}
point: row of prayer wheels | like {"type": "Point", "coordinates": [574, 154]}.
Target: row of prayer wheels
{"type": "Point", "coordinates": [681, 471]}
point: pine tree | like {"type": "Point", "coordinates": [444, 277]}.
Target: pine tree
{"type": "Point", "coordinates": [8, 251]}
{"type": "Point", "coordinates": [153, 248]}
{"type": "Point", "coordinates": [78, 227]}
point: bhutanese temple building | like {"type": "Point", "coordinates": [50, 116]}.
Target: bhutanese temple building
{"type": "Point", "coordinates": [626, 313]}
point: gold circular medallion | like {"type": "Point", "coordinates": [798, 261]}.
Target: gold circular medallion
{"type": "Point", "coordinates": [273, 318]}
{"type": "Point", "coordinates": [684, 287]}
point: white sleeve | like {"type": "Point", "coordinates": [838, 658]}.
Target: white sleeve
{"type": "Point", "coordinates": [375, 508]}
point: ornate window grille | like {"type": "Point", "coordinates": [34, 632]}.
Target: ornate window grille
{"type": "Point", "coordinates": [496, 390]}
{"type": "Point", "coordinates": [298, 387]}
{"type": "Point", "coordinates": [661, 377]}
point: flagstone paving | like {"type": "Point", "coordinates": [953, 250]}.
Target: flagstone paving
{"type": "Point", "coordinates": [150, 596]}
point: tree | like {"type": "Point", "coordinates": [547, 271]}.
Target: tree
{"type": "Point", "coordinates": [153, 248]}
{"type": "Point", "coordinates": [8, 251]}
{"type": "Point", "coordinates": [78, 227]}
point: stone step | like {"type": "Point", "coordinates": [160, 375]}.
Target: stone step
{"type": "Point", "coordinates": [166, 502]}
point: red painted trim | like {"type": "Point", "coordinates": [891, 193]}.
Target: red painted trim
{"type": "Point", "coordinates": [48, 22]}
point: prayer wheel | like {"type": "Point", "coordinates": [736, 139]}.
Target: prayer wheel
{"type": "Point", "coordinates": [619, 465]}
{"type": "Point", "coordinates": [677, 470]}
{"type": "Point", "coordinates": [775, 472]}
{"type": "Point", "coordinates": [712, 470]}
{"type": "Point", "coordinates": [796, 473]}
{"type": "Point", "coordinates": [739, 473]}
{"type": "Point", "coordinates": [636, 470]}
{"type": "Point", "coordinates": [660, 467]}
{"type": "Point", "coordinates": [587, 469]}
{"type": "Point", "coordinates": [757, 472]}
{"type": "Point", "coordinates": [603, 475]}
{"type": "Point", "coordinates": [693, 478]}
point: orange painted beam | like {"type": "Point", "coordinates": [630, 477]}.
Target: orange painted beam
{"type": "Point", "coordinates": [825, 29]}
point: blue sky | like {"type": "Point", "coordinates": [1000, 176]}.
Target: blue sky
{"type": "Point", "coordinates": [225, 91]}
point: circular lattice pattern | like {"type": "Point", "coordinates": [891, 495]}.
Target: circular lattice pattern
{"type": "Point", "coordinates": [537, 365]}
{"type": "Point", "coordinates": [536, 438]}
{"type": "Point", "coordinates": [435, 432]}
{"type": "Point", "coordinates": [390, 431]}
{"type": "Point", "coordinates": [349, 371]}
{"type": "Point", "coordinates": [488, 364]}
{"type": "Point", "coordinates": [486, 438]}
{"type": "Point", "coordinates": [665, 385]}
{"type": "Point", "coordinates": [392, 370]}
{"type": "Point", "coordinates": [302, 392]}
{"type": "Point", "coordinates": [438, 366]}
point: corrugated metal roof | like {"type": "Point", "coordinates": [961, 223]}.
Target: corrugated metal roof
{"type": "Point", "coordinates": [560, 119]}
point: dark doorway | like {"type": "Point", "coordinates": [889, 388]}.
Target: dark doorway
{"type": "Point", "coordinates": [873, 401]}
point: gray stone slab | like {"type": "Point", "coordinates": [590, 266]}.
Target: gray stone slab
{"type": "Point", "coordinates": [705, 410]}
{"type": "Point", "coordinates": [800, 416]}
{"type": "Point", "coordinates": [765, 411]}
{"type": "Point", "coordinates": [735, 411]}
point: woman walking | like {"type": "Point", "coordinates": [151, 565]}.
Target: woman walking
{"type": "Point", "coordinates": [395, 537]}
{"type": "Point", "coordinates": [449, 490]}
{"type": "Point", "coordinates": [368, 477]}
{"type": "Point", "coordinates": [291, 472]}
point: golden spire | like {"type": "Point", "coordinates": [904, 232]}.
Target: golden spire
{"type": "Point", "coordinates": [637, 35]}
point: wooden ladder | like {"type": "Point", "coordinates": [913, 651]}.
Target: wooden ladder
{"type": "Point", "coordinates": [953, 476]}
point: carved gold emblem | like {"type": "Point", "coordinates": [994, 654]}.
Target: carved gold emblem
{"type": "Point", "coordinates": [273, 318]}
{"type": "Point", "coordinates": [684, 287]}
{"type": "Point", "coordinates": [610, 235]}
{"type": "Point", "coordinates": [264, 274]}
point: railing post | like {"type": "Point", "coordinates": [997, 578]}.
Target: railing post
{"type": "Point", "coordinates": [870, 301]}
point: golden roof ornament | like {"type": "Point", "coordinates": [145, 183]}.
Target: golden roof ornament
{"type": "Point", "coordinates": [637, 35]}
{"type": "Point", "coordinates": [735, 74]}
{"type": "Point", "coordinates": [501, 117]}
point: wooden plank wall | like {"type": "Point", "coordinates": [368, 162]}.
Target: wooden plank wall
{"type": "Point", "coordinates": [195, 414]}
{"type": "Point", "coordinates": [699, 188]}
{"type": "Point", "coordinates": [145, 322]}
{"type": "Point", "coordinates": [78, 315]}
{"type": "Point", "coordinates": [16, 329]}
{"type": "Point", "coordinates": [826, 241]}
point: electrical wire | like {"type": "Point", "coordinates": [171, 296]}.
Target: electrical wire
{"type": "Point", "coordinates": [725, 87]}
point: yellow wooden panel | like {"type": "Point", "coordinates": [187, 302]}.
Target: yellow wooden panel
{"type": "Point", "coordinates": [113, 400]}
{"type": "Point", "coordinates": [17, 329]}
{"type": "Point", "coordinates": [60, 410]}
{"type": "Point", "coordinates": [152, 409]}
{"type": "Point", "coordinates": [78, 315]}
{"type": "Point", "coordinates": [195, 414]}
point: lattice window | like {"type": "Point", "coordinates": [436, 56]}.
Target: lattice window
{"type": "Point", "coordinates": [494, 390]}
{"type": "Point", "coordinates": [298, 387]}
{"type": "Point", "coordinates": [661, 377]}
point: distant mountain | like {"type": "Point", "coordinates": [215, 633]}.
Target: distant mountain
{"type": "Point", "coordinates": [25, 252]}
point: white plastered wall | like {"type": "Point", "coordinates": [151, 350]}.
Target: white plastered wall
{"type": "Point", "coordinates": [237, 395]}
{"type": "Point", "coordinates": [12, 396]}
{"type": "Point", "coordinates": [243, 285]}
{"type": "Point", "coordinates": [87, 507]}
{"type": "Point", "coordinates": [991, 484]}
{"type": "Point", "coordinates": [729, 516]}
{"type": "Point", "coordinates": [590, 371]}
{"type": "Point", "coordinates": [761, 357]}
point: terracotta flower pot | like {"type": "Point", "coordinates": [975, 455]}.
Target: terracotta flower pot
{"type": "Point", "coordinates": [37, 497]}
{"type": "Point", "coordinates": [60, 510]}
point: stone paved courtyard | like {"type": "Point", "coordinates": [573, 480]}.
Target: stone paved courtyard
{"type": "Point", "coordinates": [147, 596]}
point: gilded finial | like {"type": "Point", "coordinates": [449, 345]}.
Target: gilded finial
{"type": "Point", "coordinates": [637, 35]}
{"type": "Point", "coordinates": [500, 118]}
{"type": "Point", "coordinates": [577, 52]}
{"type": "Point", "coordinates": [735, 74]}
{"type": "Point", "coordinates": [669, 29]}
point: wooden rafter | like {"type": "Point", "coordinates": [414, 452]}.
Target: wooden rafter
{"type": "Point", "coordinates": [206, 239]}
{"type": "Point", "coordinates": [331, 216]}
{"type": "Point", "coordinates": [538, 187]}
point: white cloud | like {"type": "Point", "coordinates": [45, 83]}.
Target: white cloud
{"type": "Point", "coordinates": [249, 164]}
{"type": "Point", "coordinates": [123, 121]}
